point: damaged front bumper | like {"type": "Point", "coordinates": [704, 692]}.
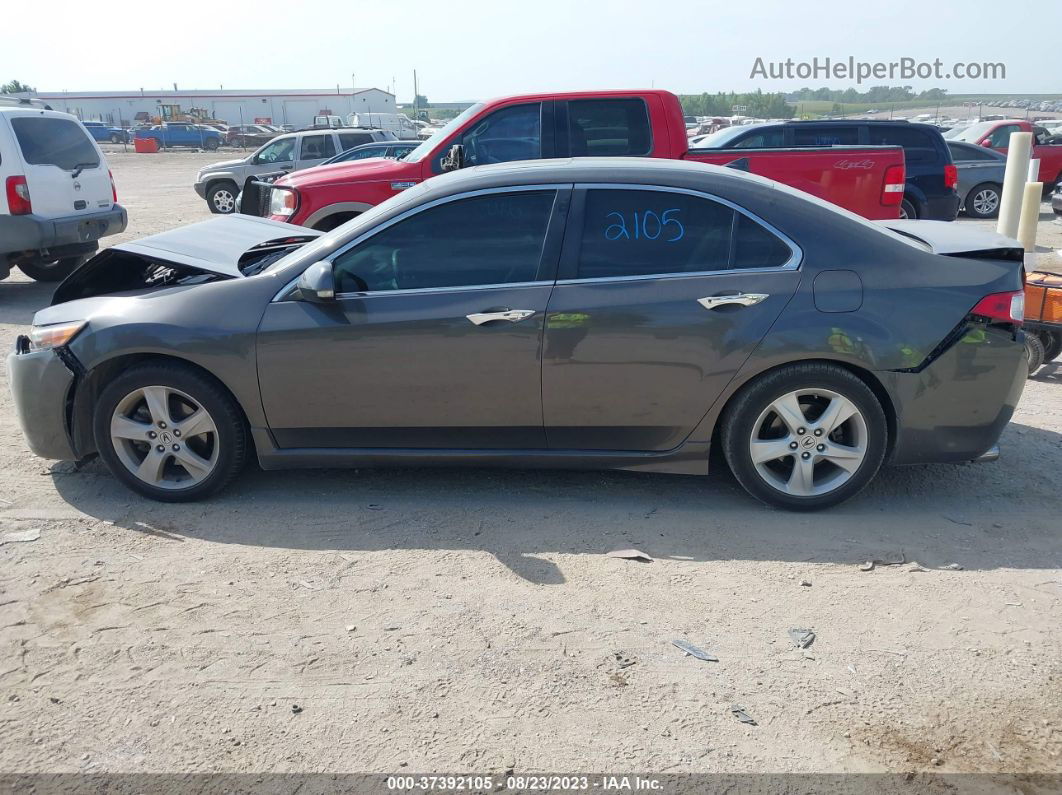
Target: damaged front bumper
{"type": "Point", "coordinates": [956, 408]}
{"type": "Point", "coordinates": [42, 388]}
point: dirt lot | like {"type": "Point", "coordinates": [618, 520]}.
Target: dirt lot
{"type": "Point", "coordinates": [430, 620]}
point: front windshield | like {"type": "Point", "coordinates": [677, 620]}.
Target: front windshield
{"type": "Point", "coordinates": [442, 134]}
{"type": "Point", "coordinates": [973, 133]}
{"type": "Point", "coordinates": [720, 138]}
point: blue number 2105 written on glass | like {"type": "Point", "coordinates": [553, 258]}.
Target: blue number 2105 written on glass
{"type": "Point", "coordinates": [646, 225]}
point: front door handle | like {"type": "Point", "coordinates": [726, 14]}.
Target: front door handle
{"type": "Point", "coordinates": [512, 315]}
{"type": "Point", "coordinates": [740, 299]}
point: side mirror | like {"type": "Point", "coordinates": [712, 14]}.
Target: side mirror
{"type": "Point", "coordinates": [454, 159]}
{"type": "Point", "coordinates": [317, 284]}
{"type": "Point", "coordinates": [986, 143]}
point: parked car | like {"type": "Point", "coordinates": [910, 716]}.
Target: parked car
{"type": "Point", "coordinates": [102, 132]}
{"type": "Point", "coordinates": [181, 134]}
{"type": "Point", "coordinates": [392, 150]}
{"type": "Point", "coordinates": [996, 135]}
{"type": "Point", "coordinates": [220, 183]}
{"type": "Point", "coordinates": [398, 123]}
{"type": "Point", "coordinates": [450, 325]}
{"type": "Point", "coordinates": [980, 178]}
{"type": "Point", "coordinates": [1056, 201]}
{"type": "Point", "coordinates": [929, 192]}
{"type": "Point", "coordinates": [866, 180]}
{"type": "Point", "coordinates": [59, 197]}
{"type": "Point", "coordinates": [249, 135]}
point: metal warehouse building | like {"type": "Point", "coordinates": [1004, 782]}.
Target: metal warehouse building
{"type": "Point", "coordinates": [293, 106]}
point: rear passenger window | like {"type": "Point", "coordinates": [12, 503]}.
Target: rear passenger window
{"type": "Point", "coordinates": [768, 139]}
{"type": "Point", "coordinates": [609, 127]}
{"type": "Point", "coordinates": [641, 233]}
{"type": "Point", "coordinates": [48, 141]}
{"type": "Point", "coordinates": [918, 146]}
{"type": "Point", "coordinates": [315, 147]}
{"type": "Point", "coordinates": [350, 140]}
{"type": "Point", "coordinates": [825, 136]}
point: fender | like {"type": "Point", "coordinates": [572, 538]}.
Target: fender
{"type": "Point", "coordinates": [333, 209]}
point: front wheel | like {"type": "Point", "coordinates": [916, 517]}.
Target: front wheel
{"type": "Point", "coordinates": [116, 138]}
{"type": "Point", "coordinates": [54, 271]}
{"type": "Point", "coordinates": [221, 198]}
{"type": "Point", "coordinates": [805, 436]}
{"type": "Point", "coordinates": [170, 432]}
{"type": "Point", "coordinates": [211, 144]}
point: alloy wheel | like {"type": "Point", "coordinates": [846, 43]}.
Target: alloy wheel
{"type": "Point", "coordinates": [808, 442]}
{"type": "Point", "coordinates": [985, 202]}
{"type": "Point", "coordinates": [164, 437]}
{"type": "Point", "coordinates": [224, 201]}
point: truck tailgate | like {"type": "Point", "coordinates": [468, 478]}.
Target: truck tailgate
{"type": "Point", "coordinates": [852, 177]}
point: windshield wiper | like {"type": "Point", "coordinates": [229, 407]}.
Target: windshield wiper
{"type": "Point", "coordinates": [81, 167]}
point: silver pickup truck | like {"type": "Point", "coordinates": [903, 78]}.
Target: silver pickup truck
{"type": "Point", "coordinates": [220, 183]}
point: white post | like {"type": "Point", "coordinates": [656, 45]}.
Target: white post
{"type": "Point", "coordinates": [1030, 215]}
{"type": "Point", "coordinates": [1034, 170]}
{"type": "Point", "coordinates": [1014, 176]}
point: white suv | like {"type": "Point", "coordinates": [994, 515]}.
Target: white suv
{"type": "Point", "coordinates": [58, 195]}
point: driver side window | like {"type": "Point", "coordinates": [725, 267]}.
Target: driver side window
{"type": "Point", "coordinates": [493, 239]}
{"type": "Point", "coordinates": [513, 133]}
{"type": "Point", "coordinates": [277, 152]}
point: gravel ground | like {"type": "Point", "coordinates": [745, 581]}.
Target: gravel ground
{"type": "Point", "coordinates": [469, 620]}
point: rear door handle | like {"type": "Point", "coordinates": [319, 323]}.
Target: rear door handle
{"type": "Point", "coordinates": [740, 299]}
{"type": "Point", "coordinates": [512, 315]}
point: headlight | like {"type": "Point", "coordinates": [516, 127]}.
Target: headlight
{"type": "Point", "coordinates": [44, 337]}
{"type": "Point", "coordinates": [282, 202]}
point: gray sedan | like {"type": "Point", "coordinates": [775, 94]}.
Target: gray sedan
{"type": "Point", "coordinates": [980, 178]}
{"type": "Point", "coordinates": [612, 313]}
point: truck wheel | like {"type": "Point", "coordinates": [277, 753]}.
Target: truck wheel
{"type": "Point", "coordinates": [211, 144]}
{"type": "Point", "coordinates": [54, 271]}
{"type": "Point", "coordinates": [221, 198]}
{"type": "Point", "coordinates": [1052, 341]}
{"type": "Point", "coordinates": [908, 211]}
{"type": "Point", "coordinates": [116, 138]}
{"type": "Point", "coordinates": [983, 201]}
{"type": "Point", "coordinates": [1034, 350]}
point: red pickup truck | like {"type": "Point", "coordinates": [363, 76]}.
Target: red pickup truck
{"type": "Point", "coordinates": [867, 180]}
{"type": "Point", "coordinates": [996, 135]}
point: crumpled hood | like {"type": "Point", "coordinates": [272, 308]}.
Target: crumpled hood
{"type": "Point", "coordinates": [214, 246]}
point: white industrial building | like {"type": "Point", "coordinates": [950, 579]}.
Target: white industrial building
{"type": "Point", "coordinates": [289, 106]}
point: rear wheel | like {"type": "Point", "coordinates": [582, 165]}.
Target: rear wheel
{"type": "Point", "coordinates": [211, 144]}
{"type": "Point", "coordinates": [116, 138]}
{"type": "Point", "coordinates": [907, 210]}
{"type": "Point", "coordinates": [170, 432]}
{"type": "Point", "coordinates": [983, 201]}
{"type": "Point", "coordinates": [1034, 351]}
{"type": "Point", "coordinates": [54, 271]}
{"type": "Point", "coordinates": [221, 198]}
{"type": "Point", "coordinates": [1052, 341]}
{"type": "Point", "coordinates": [805, 436]}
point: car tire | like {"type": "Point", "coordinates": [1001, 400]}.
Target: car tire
{"type": "Point", "coordinates": [1034, 352]}
{"type": "Point", "coordinates": [116, 138]}
{"type": "Point", "coordinates": [172, 467]}
{"type": "Point", "coordinates": [908, 210]}
{"type": "Point", "coordinates": [221, 198]}
{"type": "Point", "coordinates": [759, 420]}
{"type": "Point", "coordinates": [54, 271]}
{"type": "Point", "coordinates": [1052, 341]}
{"type": "Point", "coordinates": [983, 200]}
{"type": "Point", "coordinates": [211, 145]}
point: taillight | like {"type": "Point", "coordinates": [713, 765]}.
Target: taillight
{"type": "Point", "coordinates": [892, 189]}
{"type": "Point", "coordinates": [114, 190]}
{"type": "Point", "coordinates": [1002, 307]}
{"type": "Point", "coordinates": [18, 196]}
{"type": "Point", "coordinates": [951, 175]}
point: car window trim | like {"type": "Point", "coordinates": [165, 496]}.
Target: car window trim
{"type": "Point", "coordinates": [570, 262]}
{"type": "Point", "coordinates": [548, 262]}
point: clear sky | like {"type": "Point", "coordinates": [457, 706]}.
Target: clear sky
{"type": "Point", "coordinates": [471, 49]}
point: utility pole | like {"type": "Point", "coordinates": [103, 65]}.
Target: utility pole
{"type": "Point", "coordinates": [416, 96]}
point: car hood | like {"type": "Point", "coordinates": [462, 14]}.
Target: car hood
{"type": "Point", "coordinates": [224, 164]}
{"type": "Point", "coordinates": [951, 238]}
{"type": "Point", "coordinates": [357, 171]}
{"type": "Point", "coordinates": [213, 246]}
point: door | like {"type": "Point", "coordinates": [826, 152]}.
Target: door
{"type": "Point", "coordinates": [278, 155]}
{"type": "Point", "coordinates": [65, 173]}
{"type": "Point", "coordinates": [662, 296]}
{"type": "Point", "coordinates": [314, 150]}
{"type": "Point", "coordinates": [434, 340]}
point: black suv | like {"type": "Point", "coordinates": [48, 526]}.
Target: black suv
{"type": "Point", "coordinates": [931, 174]}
